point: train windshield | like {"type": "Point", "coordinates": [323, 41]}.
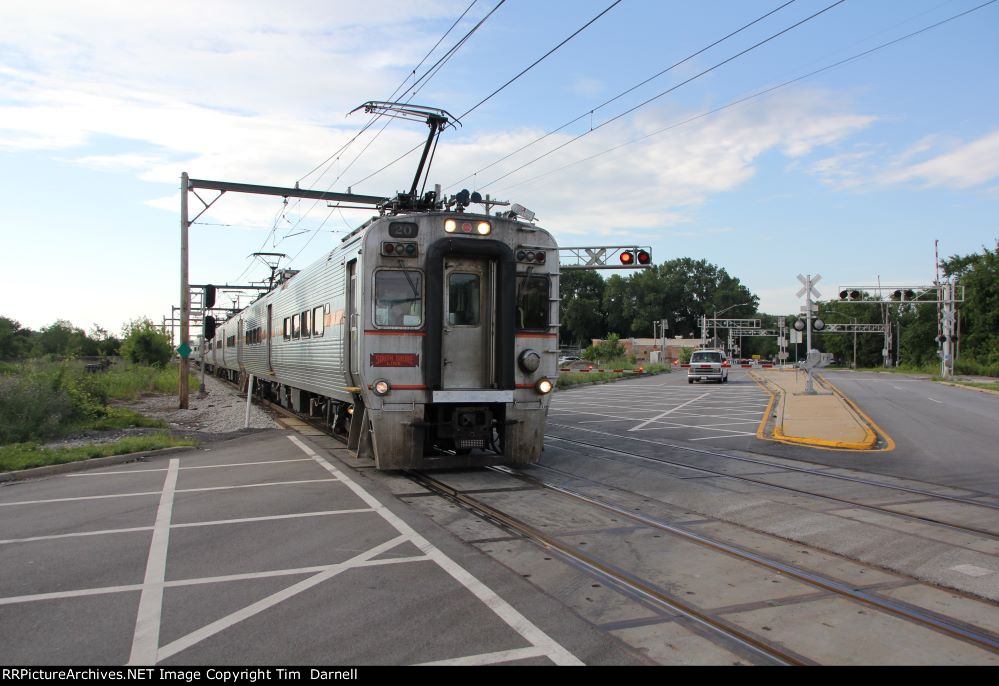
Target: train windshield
{"type": "Point", "coordinates": [398, 298]}
{"type": "Point", "coordinates": [532, 302]}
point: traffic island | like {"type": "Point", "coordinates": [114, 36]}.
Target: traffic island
{"type": "Point", "coordinates": [826, 419]}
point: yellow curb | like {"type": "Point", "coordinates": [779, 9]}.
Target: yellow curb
{"type": "Point", "coordinates": [889, 442]}
{"type": "Point", "coordinates": [821, 444]}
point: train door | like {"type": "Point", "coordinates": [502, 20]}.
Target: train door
{"type": "Point", "coordinates": [353, 323]}
{"type": "Point", "coordinates": [466, 341]}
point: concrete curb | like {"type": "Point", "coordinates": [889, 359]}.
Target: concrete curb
{"type": "Point", "coordinates": [92, 463]}
{"type": "Point", "coordinates": [778, 398]}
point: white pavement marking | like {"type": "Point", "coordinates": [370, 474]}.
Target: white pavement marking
{"type": "Point", "coordinates": [972, 570]}
{"type": "Point", "coordinates": [209, 630]}
{"type": "Point", "coordinates": [201, 466]}
{"type": "Point", "coordinates": [708, 438]}
{"type": "Point", "coordinates": [936, 401]}
{"type": "Point", "coordinates": [667, 412]}
{"type": "Point", "coordinates": [489, 658]}
{"type": "Point", "coordinates": [218, 522]}
{"type": "Point", "coordinates": [516, 621]}
{"type": "Point", "coordinates": [249, 576]}
{"type": "Point", "coordinates": [179, 490]}
{"type": "Point", "coordinates": [147, 624]}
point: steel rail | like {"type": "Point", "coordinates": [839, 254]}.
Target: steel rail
{"type": "Point", "coordinates": [980, 637]}
{"type": "Point", "coordinates": [608, 571]}
{"type": "Point", "coordinates": [871, 508]}
{"type": "Point", "coordinates": [802, 470]}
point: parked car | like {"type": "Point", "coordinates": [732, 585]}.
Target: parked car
{"type": "Point", "coordinates": [569, 359]}
{"type": "Point", "coordinates": [708, 365]}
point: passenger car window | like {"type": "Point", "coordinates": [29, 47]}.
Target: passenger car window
{"type": "Point", "coordinates": [398, 298]}
{"type": "Point", "coordinates": [463, 292]}
{"type": "Point", "coordinates": [532, 302]}
{"type": "Point", "coordinates": [318, 321]}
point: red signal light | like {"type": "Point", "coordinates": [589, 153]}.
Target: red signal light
{"type": "Point", "coordinates": [627, 257]}
{"type": "Point", "coordinates": [644, 257]}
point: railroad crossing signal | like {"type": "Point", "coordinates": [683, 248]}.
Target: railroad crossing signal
{"type": "Point", "coordinates": [602, 257]}
{"type": "Point", "coordinates": [808, 286]}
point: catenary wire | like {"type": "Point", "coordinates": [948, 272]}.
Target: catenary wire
{"type": "Point", "coordinates": [623, 93]}
{"type": "Point", "coordinates": [665, 92]}
{"type": "Point", "coordinates": [534, 64]}
{"type": "Point", "coordinates": [755, 95]}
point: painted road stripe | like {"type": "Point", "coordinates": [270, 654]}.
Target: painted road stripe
{"type": "Point", "coordinates": [179, 490]}
{"type": "Point", "coordinates": [203, 466]}
{"type": "Point", "coordinates": [244, 520]}
{"type": "Point", "coordinates": [248, 576]}
{"type": "Point", "coordinates": [667, 412]}
{"type": "Point", "coordinates": [146, 638]}
{"type": "Point", "coordinates": [503, 609]}
{"type": "Point", "coordinates": [490, 658]}
{"type": "Point", "coordinates": [209, 630]}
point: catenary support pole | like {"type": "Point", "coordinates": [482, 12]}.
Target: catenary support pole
{"type": "Point", "coordinates": [185, 295]}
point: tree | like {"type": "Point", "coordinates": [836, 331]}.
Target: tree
{"type": "Point", "coordinates": [581, 314]}
{"type": "Point", "coordinates": [143, 343]}
{"type": "Point", "coordinates": [15, 342]}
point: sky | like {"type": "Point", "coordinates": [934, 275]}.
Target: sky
{"type": "Point", "coordinates": [852, 172]}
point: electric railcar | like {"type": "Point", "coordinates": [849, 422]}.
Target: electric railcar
{"type": "Point", "coordinates": [424, 339]}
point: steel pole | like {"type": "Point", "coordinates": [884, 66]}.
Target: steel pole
{"type": "Point", "coordinates": [808, 327]}
{"type": "Point", "coordinates": [185, 295]}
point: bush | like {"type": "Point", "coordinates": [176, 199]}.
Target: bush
{"type": "Point", "coordinates": [145, 344]}
{"type": "Point", "coordinates": [972, 367]}
{"type": "Point", "coordinates": [609, 349]}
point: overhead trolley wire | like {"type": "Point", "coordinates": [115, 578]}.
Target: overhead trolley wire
{"type": "Point", "coordinates": [481, 102]}
{"type": "Point", "coordinates": [666, 92]}
{"type": "Point", "coordinates": [540, 59]}
{"type": "Point", "coordinates": [758, 94]}
{"type": "Point", "coordinates": [623, 93]}
{"type": "Point", "coordinates": [424, 79]}
{"type": "Point", "coordinates": [398, 88]}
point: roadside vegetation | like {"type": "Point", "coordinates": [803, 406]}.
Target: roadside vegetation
{"type": "Point", "coordinates": [52, 392]}
{"type": "Point", "coordinates": [682, 291]}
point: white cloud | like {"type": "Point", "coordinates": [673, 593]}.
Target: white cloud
{"type": "Point", "coordinates": [971, 164]}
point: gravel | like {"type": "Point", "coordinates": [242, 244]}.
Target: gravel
{"type": "Point", "coordinates": [217, 415]}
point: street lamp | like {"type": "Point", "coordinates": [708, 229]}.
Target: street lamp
{"type": "Point", "coordinates": [714, 318]}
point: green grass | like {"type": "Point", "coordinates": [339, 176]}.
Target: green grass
{"type": "Point", "coordinates": [41, 400]}
{"type": "Point", "coordinates": [989, 386]}
{"type": "Point", "coordinates": [27, 455]}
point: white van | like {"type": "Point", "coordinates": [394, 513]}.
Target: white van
{"type": "Point", "coordinates": [708, 365]}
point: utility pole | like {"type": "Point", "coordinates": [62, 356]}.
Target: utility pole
{"type": "Point", "coordinates": [185, 295]}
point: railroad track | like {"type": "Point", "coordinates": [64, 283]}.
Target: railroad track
{"type": "Point", "coordinates": [616, 573]}
{"type": "Point", "coordinates": [963, 528]}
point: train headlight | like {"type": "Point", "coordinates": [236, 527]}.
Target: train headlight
{"type": "Point", "coordinates": [544, 386]}
{"type": "Point", "coordinates": [450, 225]}
{"type": "Point", "coordinates": [381, 387]}
{"type": "Point", "coordinates": [529, 360]}
{"type": "Point", "coordinates": [484, 228]}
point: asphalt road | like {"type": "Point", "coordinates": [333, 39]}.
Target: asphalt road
{"type": "Point", "coordinates": [942, 434]}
